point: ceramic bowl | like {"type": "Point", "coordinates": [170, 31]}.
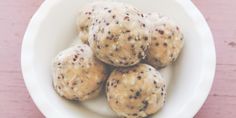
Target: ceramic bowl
{"type": "Point", "coordinates": [52, 29]}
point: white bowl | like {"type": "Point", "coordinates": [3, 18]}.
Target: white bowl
{"type": "Point", "coordinates": [52, 29]}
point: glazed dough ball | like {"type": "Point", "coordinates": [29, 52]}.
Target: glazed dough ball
{"type": "Point", "coordinates": [87, 14]}
{"type": "Point", "coordinates": [167, 41]}
{"type": "Point", "coordinates": [77, 75]}
{"type": "Point", "coordinates": [136, 91]}
{"type": "Point", "coordinates": [119, 37]}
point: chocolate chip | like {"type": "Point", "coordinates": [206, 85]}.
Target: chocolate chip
{"type": "Point", "coordinates": [74, 83]}
{"type": "Point", "coordinates": [177, 28]}
{"type": "Point", "coordinates": [139, 77]}
{"type": "Point", "coordinates": [162, 89]}
{"type": "Point", "coordinates": [165, 44]}
{"type": "Point", "coordinates": [137, 93]}
{"type": "Point", "coordinates": [161, 32]}
{"type": "Point", "coordinates": [162, 94]}
{"type": "Point", "coordinates": [145, 38]}
{"type": "Point", "coordinates": [145, 105]}
{"type": "Point", "coordinates": [127, 31]}
{"type": "Point", "coordinates": [132, 45]}
{"type": "Point", "coordinates": [157, 44]}
{"type": "Point", "coordinates": [129, 38]}
{"type": "Point", "coordinates": [76, 56]}
{"type": "Point", "coordinates": [117, 81]}
{"type": "Point", "coordinates": [142, 47]}
{"type": "Point", "coordinates": [144, 25]}
{"type": "Point", "coordinates": [155, 82]}
{"type": "Point", "coordinates": [140, 55]}
{"type": "Point", "coordinates": [126, 18]}
{"type": "Point", "coordinates": [142, 15]}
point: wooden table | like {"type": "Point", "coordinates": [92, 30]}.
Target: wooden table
{"type": "Point", "coordinates": [16, 102]}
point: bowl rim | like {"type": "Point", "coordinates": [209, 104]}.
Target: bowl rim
{"type": "Point", "coordinates": [203, 28]}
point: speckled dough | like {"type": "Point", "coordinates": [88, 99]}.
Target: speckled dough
{"type": "Point", "coordinates": [118, 36]}
{"type": "Point", "coordinates": [136, 92]}
{"type": "Point", "coordinates": [77, 75]}
{"type": "Point", "coordinates": [86, 15]}
{"type": "Point", "coordinates": [166, 41]}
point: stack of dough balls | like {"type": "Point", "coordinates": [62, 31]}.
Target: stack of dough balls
{"type": "Point", "coordinates": [118, 36]}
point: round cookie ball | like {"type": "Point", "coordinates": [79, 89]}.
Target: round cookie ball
{"type": "Point", "coordinates": [119, 36]}
{"type": "Point", "coordinates": [87, 14]}
{"type": "Point", "coordinates": [136, 91]}
{"type": "Point", "coordinates": [166, 41]}
{"type": "Point", "coordinates": [77, 74]}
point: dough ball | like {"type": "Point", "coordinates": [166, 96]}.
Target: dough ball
{"type": "Point", "coordinates": [87, 14]}
{"type": "Point", "coordinates": [166, 41]}
{"type": "Point", "coordinates": [136, 91]}
{"type": "Point", "coordinates": [77, 74]}
{"type": "Point", "coordinates": [119, 36]}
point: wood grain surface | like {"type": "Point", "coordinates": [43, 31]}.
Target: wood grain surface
{"type": "Point", "coordinates": [16, 102]}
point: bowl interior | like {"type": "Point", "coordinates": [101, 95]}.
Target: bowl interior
{"type": "Point", "coordinates": [57, 30]}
